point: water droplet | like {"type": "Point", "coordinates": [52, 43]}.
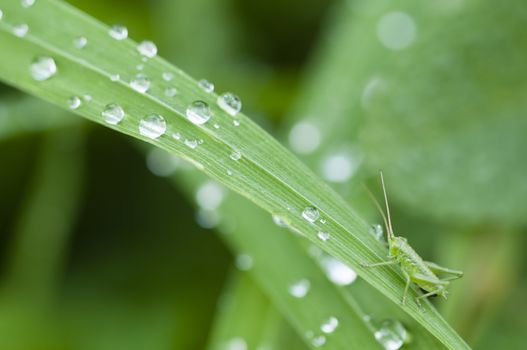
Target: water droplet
{"type": "Point", "coordinates": [27, 3]}
{"type": "Point", "coordinates": [162, 163]}
{"type": "Point", "coordinates": [198, 112]}
{"type": "Point", "coordinates": [216, 126]}
{"type": "Point", "coordinates": [323, 221]}
{"type": "Point", "coordinates": [376, 231]}
{"type": "Point", "coordinates": [43, 68]}
{"type": "Point", "coordinates": [118, 32]}
{"type": "Point", "coordinates": [74, 102]}
{"type": "Point", "coordinates": [170, 91]}
{"type": "Point", "coordinates": [140, 66]}
{"type": "Point", "coordinates": [330, 325]}
{"type": "Point", "coordinates": [87, 98]}
{"type": "Point", "coordinates": [229, 172]}
{"type": "Point", "coordinates": [392, 335]}
{"type": "Point", "coordinates": [20, 30]}
{"type": "Point", "coordinates": [1, 14]}
{"type": "Point", "coordinates": [176, 136]}
{"type": "Point", "coordinates": [244, 262]}
{"type": "Point", "coordinates": [141, 83]}
{"type": "Point", "coordinates": [191, 143]}
{"type": "Point", "coordinates": [207, 218]}
{"type": "Point", "coordinates": [311, 214]}
{"type": "Point", "coordinates": [396, 30]}
{"type": "Point", "coordinates": [279, 220]}
{"type": "Point", "coordinates": [115, 77]}
{"type": "Point", "coordinates": [338, 167]}
{"type": "Point", "coordinates": [304, 137]}
{"type": "Point", "coordinates": [236, 122]}
{"type": "Point", "coordinates": [147, 48]}
{"type": "Point", "coordinates": [318, 341]}
{"type": "Point", "coordinates": [206, 85]}
{"type": "Point", "coordinates": [323, 236]}
{"type": "Point", "coordinates": [152, 126]}
{"type": "Point", "coordinates": [236, 155]}
{"type": "Point", "coordinates": [300, 288]}
{"type": "Point", "coordinates": [167, 76]}
{"type": "Point", "coordinates": [79, 42]}
{"type": "Point", "coordinates": [338, 272]}
{"type": "Point", "coordinates": [230, 103]}
{"type": "Point", "coordinates": [236, 344]}
{"type": "Point", "coordinates": [113, 114]}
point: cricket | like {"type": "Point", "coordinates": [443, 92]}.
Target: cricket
{"type": "Point", "coordinates": [415, 270]}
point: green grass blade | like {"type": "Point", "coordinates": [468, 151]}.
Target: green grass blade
{"type": "Point", "coordinates": [267, 174]}
{"type": "Point", "coordinates": [245, 316]}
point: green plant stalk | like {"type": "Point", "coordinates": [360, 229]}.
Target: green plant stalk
{"type": "Point", "coordinates": [267, 174]}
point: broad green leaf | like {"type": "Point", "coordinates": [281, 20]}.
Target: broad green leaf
{"type": "Point", "coordinates": [266, 173]}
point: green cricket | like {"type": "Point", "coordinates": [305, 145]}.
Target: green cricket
{"type": "Point", "coordinates": [423, 273]}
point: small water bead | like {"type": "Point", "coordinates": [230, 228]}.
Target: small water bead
{"type": "Point", "coordinates": [118, 32]}
{"type": "Point", "coordinates": [279, 220]}
{"type": "Point", "coordinates": [376, 231]}
{"type": "Point", "coordinates": [113, 114]}
{"type": "Point", "coordinates": [141, 83]}
{"type": "Point", "coordinates": [20, 30]}
{"type": "Point", "coordinates": [152, 126]}
{"type": "Point", "coordinates": [170, 91]}
{"type": "Point", "coordinates": [244, 262]}
{"type": "Point", "coordinates": [392, 335]}
{"type": "Point", "coordinates": [206, 85]}
{"type": "Point", "coordinates": [311, 214]}
{"type": "Point", "coordinates": [167, 76]}
{"type": "Point", "coordinates": [147, 48]}
{"type": "Point", "coordinates": [140, 66]}
{"type": "Point", "coordinates": [43, 68]}
{"type": "Point", "coordinates": [330, 325]}
{"type": "Point", "coordinates": [318, 341]}
{"type": "Point", "coordinates": [229, 172]}
{"type": "Point", "coordinates": [176, 136]}
{"type": "Point", "coordinates": [79, 42]}
{"type": "Point", "coordinates": [323, 221]}
{"type": "Point", "coordinates": [198, 112]}
{"type": "Point", "coordinates": [338, 272]}
{"type": "Point", "coordinates": [235, 155]}
{"type": "Point", "coordinates": [396, 30]}
{"type": "Point", "coordinates": [27, 3]}
{"type": "Point", "coordinates": [74, 102]}
{"type": "Point", "coordinates": [115, 77]}
{"type": "Point", "coordinates": [1, 14]}
{"type": "Point", "coordinates": [216, 126]}
{"type": "Point", "coordinates": [87, 98]}
{"type": "Point", "coordinates": [191, 143]}
{"type": "Point", "coordinates": [323, 236]}
{"type": "Point", "coordinates": [236, 122]}
{"type": "Point", "coordinates": [300, 288]}
{"type": "Point", "coordinates": [230, 103]}
{"type": "Point", "coordinates": [236, 344]}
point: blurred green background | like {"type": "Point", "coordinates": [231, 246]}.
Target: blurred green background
{"type": "Point", "coordinates": [97, 252]}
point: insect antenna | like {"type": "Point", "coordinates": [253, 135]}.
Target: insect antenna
{"type": "Point", "coordinates": [379, 208]}
{"type": "Point", "coordinates": [390, 230]}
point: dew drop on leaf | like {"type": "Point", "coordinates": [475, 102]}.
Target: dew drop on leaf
{"type": "Point", "coordinates": [113, 114]}
{"type": "Point", "coordinates": [300, 288]}
{"type": "Point", "coordinates": [235, 155]}
{"type": "Point", "coordinates": [198, 112]}
{"type": "Point", "coordinates": [152, 126]}
{"type": "Point", "coordinates": [391, 334]}
{"type": "Point", "coordinates": [43, 68]}
{"type": "Point", "coordinates": [79, 42]}
{"type": "Point", "coordinates": [323, 236]}
{"type": "Point", "coordinates": [167, 76]}
{"type": "Point", "coordinates": [338, 272]}
{"type": "Point", "coordinates": [330, 325]}
{"type": "Point", "coordinates": [230, 103]}
{"type": "Point", "coordinates": [376, 231]}
{"type": "Point", "coordinates": [170, 91]}
{"type": "Point", "coordinates": [20, 30]}
{"type": "Point", "coordinates": [140, 83]}
{"type": "Point", "coordinates": [147, 48]}
{"type": "Point", "coordinates": [118, 32]}
{"type": "Point", "coordinates": [191, 143]}
{"type": "Point", "coordinates": [27, 3]}
{"type": "Point", "coordinates": [311, 214]}
{"type": "Point", "coordinates": [318, 341]}
{"type": "Point", "coordinates": [206, 85]}
{"type": "Point", "coordinates": [74, 102]}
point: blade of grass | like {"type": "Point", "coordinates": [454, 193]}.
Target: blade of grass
{"type": "Point", "coordinates": [245, 316]}
{"type": "Point", "coordinates": [266, 174]}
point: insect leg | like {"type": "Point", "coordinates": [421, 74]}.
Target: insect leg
{"type": "Point", "coordinates": [434, 292]}
{"type": "Point", "coordinates": [407, 277]}
{"type": "Point", "coordinates": [383, 263]}
{"type": "Point", "coordinates": [455, 274]}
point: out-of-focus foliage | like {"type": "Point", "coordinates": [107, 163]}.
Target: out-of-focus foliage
{"type": "Point", "coordinates": [443, 117]}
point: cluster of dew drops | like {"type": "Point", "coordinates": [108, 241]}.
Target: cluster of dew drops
{"type": "Point", "coordinates": [151, 125]}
